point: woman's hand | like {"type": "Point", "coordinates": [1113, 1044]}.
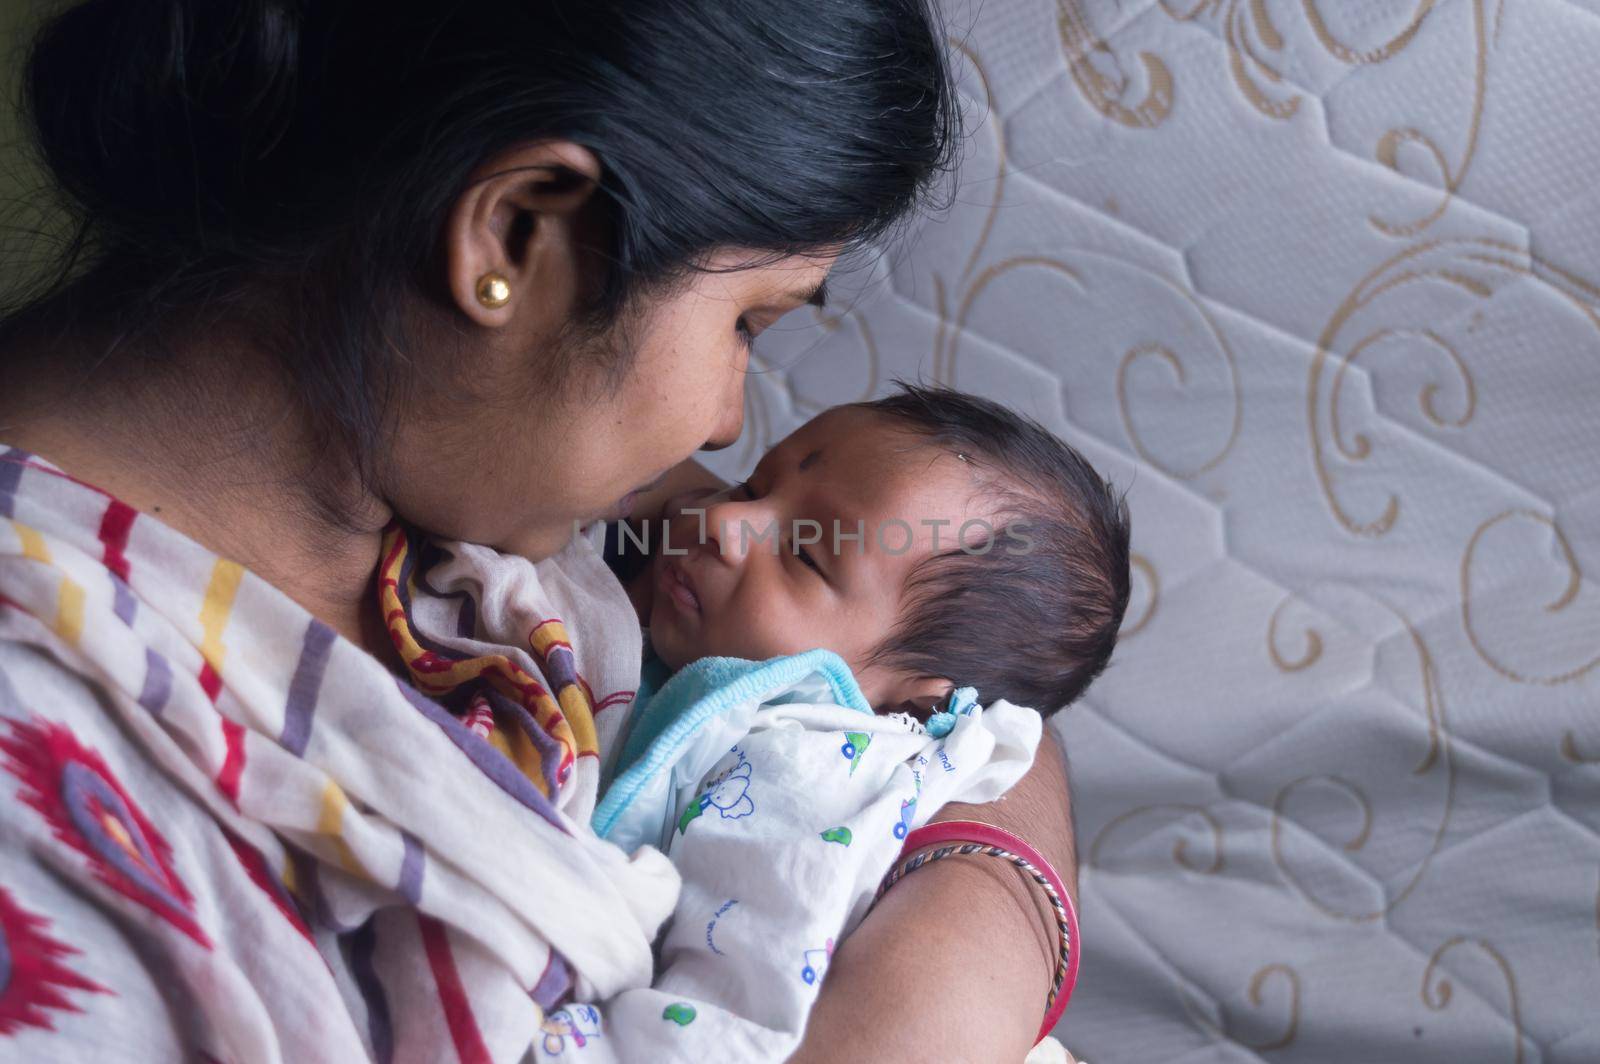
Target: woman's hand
{"type": "Point", "coordinates": [955, 962]}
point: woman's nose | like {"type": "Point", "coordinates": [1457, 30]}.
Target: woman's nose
{"type": "Point", "coordinates": [725, 433]}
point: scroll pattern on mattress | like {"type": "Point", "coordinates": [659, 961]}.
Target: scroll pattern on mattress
{"type": "Point", "coordinates": [1317, 281]}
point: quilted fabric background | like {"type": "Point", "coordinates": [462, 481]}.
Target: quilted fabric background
{"type": "Point", "coordinates": [1317, 281]}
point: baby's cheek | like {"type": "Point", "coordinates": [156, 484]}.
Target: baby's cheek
{"type": "Point", "coordinates": [771, 637]}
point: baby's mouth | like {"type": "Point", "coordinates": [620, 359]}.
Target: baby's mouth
{"type": "Point", "coordinates": [673, 582]}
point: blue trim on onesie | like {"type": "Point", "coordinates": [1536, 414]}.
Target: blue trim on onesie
{"type": "Point", "coordinates": [705, 689]}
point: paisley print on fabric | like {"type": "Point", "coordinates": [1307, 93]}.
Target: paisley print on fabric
{"type": "Point", "coordinates": [71, 787]}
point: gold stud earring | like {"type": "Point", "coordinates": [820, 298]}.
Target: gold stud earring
{"type": "Point", "coordinates": [494, 291]}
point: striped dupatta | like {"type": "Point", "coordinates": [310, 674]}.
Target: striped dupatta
{"type": "Point", "coordinates": [238, 835]}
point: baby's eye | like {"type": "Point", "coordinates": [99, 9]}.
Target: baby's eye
{"type": "Point", "coordinates": [744, 491]}
{"type": "Point", "coordinates": [807, 560]}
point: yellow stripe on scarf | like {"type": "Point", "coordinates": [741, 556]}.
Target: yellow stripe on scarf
{"type": "Point", "coordinates": [69, 611]}
{"type": "Point", "coordinates": [214, 611]}
{"type": "Point", "coordinates": [33, 547]}
{"type": "Point", "coordinates": [330, 822]}
{"type": "Point", "coordinates": [574, 699]}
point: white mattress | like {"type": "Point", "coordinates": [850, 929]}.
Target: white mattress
{"type": "Point", "coordinates": [1316, 282]}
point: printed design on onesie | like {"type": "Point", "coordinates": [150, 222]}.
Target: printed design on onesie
{"type": "Point", "coordinates": [855, 745]}
{"type": "Point", "coordinates": [580, 1023]}
{"type": "Point", "coordinates": [34, 976]}
{"type": "Point", "coordinates": [681, 1013]}
{"type": "Point", "coordinates": [908, 806]}
{"type": "Point", "coordinates": [711, 926]}
{"type": "Point", "coordinates": [908, 809]}
{"type": "Point", "coordinates": [728, 793]}
{"type": "Point", "coordinates": [816, 965]}
{"type": "Point", "coordinates": [841, 835]}
{"type": "Point", "coordinates": [73, 789]}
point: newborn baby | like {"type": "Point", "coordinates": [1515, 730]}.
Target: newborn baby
{"type": "Point", "coordinates": [839, 646]}
{"type": "Point", "coordinates": [873, 504]}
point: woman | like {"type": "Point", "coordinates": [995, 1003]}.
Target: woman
{"type": "Point", "coordinates": [343, 272]}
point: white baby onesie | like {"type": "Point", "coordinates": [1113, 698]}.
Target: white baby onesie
{"type": "Point", "coordinates": [782, 800]}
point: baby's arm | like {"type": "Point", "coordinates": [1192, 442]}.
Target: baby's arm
{"type": "Point", "coordinates": [780, 855]}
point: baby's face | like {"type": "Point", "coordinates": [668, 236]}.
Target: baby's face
{"type": "Point", "coordinates": [750, 587]}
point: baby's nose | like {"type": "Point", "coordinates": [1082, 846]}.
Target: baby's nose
{"type": "Point", "coordinates": [737, 528]}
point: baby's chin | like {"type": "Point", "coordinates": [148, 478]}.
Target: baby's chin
{"type": "Point", "coordinates": [677, 648]}
{"type": "Point", "coordinates": [668, 640]}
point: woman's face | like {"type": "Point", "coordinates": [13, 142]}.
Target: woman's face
{"type": "Point", "coordinates": [499, 453]}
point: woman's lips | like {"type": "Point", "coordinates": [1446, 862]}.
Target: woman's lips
{"type": "Point", "coordinates": [673, 582]}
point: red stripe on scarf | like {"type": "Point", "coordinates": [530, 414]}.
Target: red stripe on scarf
{"type": "Point", "coordinates": [233, 763]}
{"type": "Point", "coordinates": [452, 995]}
{"type": "Point", "coordinates": [210, 682]}
{"type": "Point", "coordinates": [114, 527]}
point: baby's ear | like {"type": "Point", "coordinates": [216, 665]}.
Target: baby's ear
{"type": "Point", "coordinates": [920, 697]}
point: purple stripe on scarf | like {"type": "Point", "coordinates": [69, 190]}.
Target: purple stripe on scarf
{"type": "Point", "coordinates": [380, 1029]}
{"type": "Point", "coordinates": [554, 984]}
{"type": "Point", "coordinates": [304, 687]}
{"type": "Point", "coordinates": [489, 761]}
{"type": "Point", "coordinates": [157, 683]}
{"type": "Point", "coordinates": [550, 751]}
{"type": "Point", "coordinates": [11, 463]}
{"type": "Point", "coordinates": [560, 668]}
{"type": "Point", "coordinates": [411, 866]}
{"type": "Point", "coordinates": [123, 604]}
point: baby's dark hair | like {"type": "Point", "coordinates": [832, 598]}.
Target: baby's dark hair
{"type": "Point", "coordinates": [1033, 625]}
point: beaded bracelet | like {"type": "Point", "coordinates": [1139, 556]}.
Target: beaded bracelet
{"type": "Point", "coordinates": [963, 837]}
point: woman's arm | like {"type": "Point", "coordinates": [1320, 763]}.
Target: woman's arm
{"type": "Point", "coordinates": [955, 961]}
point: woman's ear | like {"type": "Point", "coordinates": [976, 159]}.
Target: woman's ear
{"type": "Point", "coordinates": [519, 219]}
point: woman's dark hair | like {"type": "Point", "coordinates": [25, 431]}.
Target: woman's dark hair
{"type": "Point", "coordinates": [1033, 618]}
{"type": "Point", "coordinates": [214, 149]}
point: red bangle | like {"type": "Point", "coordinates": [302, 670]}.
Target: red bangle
{"type": "Point", "coordinates": [971, 836]}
